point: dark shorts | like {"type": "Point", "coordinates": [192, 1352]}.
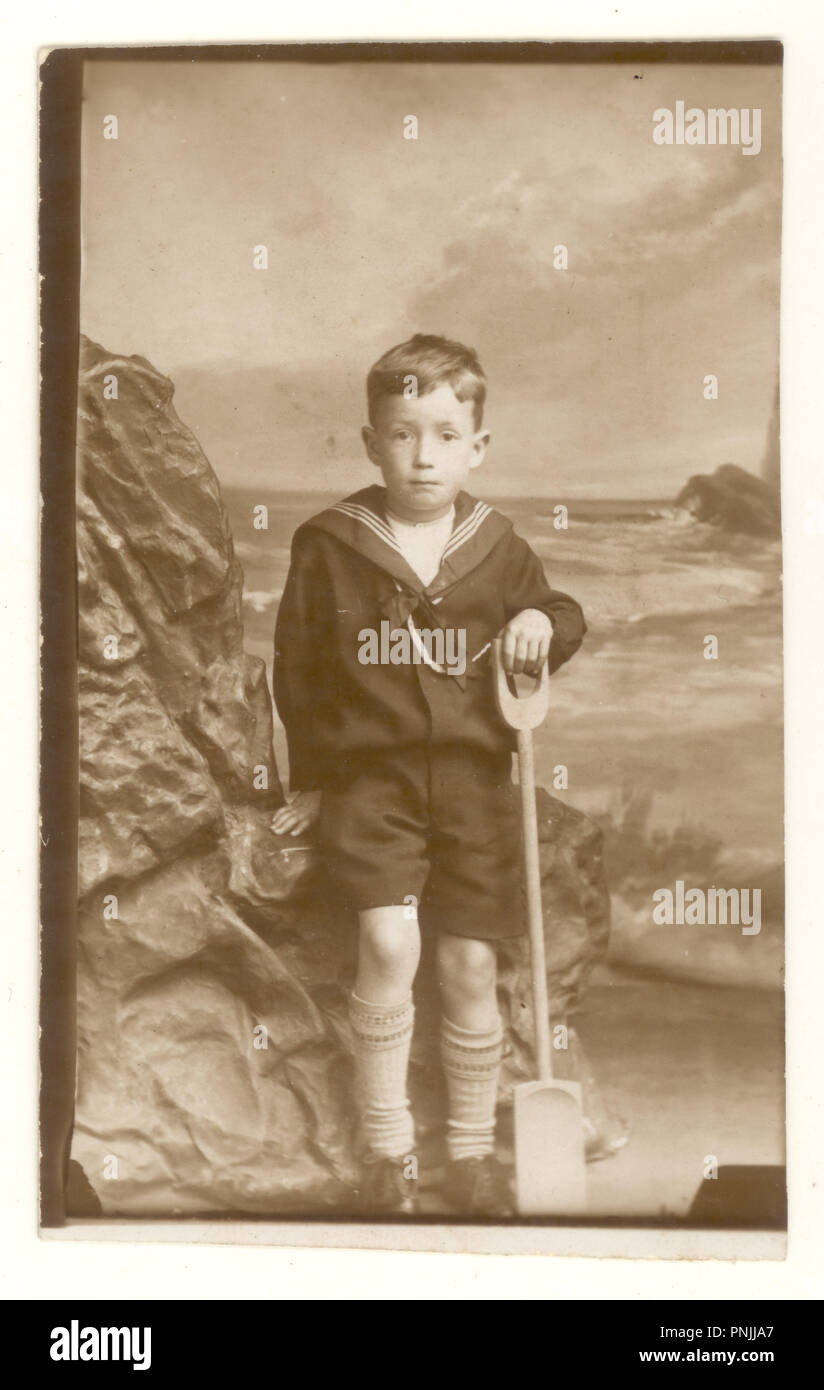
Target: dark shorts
{"type": "Point", "coordinates": [437, 825]}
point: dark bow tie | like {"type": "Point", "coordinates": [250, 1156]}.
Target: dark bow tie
{"type": "Point", "coordinates": [404, 604]}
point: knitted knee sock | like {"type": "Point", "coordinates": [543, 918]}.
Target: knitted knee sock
{"type": "Point", "coordinates": [383, 1036]}
{"type": "Point", "coordinates": [471, 1062]}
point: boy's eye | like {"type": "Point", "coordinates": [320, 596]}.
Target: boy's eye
{"type": "Point", "coordinates": [447, 434]}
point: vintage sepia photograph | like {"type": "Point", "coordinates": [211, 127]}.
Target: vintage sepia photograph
{"type": "Point", "coordinates": [417, 757]}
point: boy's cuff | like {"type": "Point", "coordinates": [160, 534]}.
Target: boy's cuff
{"type": "Point", "coordinates": [304, 775]}
{"type": "Point", "coordinates": [304, 784]}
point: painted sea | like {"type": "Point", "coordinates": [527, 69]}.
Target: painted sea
{"type": "Point", "coordinates": [679, 757]}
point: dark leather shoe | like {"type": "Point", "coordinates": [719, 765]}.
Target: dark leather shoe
{"type": "Point", "coordinates": [385, 1190]}
{"type": "Point", "coordinates": [478, 1187]}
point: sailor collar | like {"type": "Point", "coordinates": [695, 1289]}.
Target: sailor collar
{"type": "Point", "coordinates": [360, 521]}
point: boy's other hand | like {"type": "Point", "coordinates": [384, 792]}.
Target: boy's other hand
{"type": "Point", "coordinates": [525, 642]}
{"type": "Point", "coordinates": [298, 814]}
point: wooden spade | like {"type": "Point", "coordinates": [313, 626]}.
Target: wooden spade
{"type": "Point", "coordinates": [549, 1131]}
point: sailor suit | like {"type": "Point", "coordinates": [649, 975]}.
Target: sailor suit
{"type": "Point", "coordinates": [413, 762]}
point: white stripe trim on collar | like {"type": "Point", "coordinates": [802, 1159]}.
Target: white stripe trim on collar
{"type": "Point", "coordinates": [464, 532]}
{"type": "Point", "coordinates": [459, 537]}
{"type": "Point", "coordinates": [367, 518]}
{"type": "Point", "coordinates": [470, 524]}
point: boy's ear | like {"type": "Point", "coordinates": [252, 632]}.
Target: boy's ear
{"type": "Point", "coordinates": [479, 447]}
{"type": "Point", "coordinates": [370, 443]}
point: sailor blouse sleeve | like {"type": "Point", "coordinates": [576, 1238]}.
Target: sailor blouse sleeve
{"type": "Point", "coordinates": [300, 642]}
{"type": "Point", "coordinates": [526, 587]}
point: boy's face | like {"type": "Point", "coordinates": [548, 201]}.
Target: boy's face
{"type": "Point", "coordinates": [425, 448]}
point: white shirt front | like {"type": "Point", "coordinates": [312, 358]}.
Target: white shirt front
{"type": "Point", "coordinates": [422, 543]}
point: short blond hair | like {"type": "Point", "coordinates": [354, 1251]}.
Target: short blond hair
{"type": "Point", "coordinates": [433, 361]}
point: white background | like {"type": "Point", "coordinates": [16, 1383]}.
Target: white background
{"type": "Point", "coordinates": [39, 1269]}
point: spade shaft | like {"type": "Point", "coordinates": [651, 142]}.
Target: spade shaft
{"type": "Point", "coordinates": [535, 916]}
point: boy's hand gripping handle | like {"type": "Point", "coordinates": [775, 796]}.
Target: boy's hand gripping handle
{"type": "Point", "coordinates": [525, 713]}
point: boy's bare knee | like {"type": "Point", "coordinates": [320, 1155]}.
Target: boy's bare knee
{"type": "Point", "coordinates": [389, 942]}
{"type": "Point", "coordinates": [467, 966]}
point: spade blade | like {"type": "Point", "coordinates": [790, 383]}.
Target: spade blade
{"type": "Point", "coordinates": [550, 1177]}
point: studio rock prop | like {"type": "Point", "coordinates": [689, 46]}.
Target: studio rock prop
{"type": "Point", "coordinates": [213, 1064]}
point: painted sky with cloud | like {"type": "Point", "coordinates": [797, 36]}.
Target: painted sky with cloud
{"type": "Point", "coordinates": [595, 372]}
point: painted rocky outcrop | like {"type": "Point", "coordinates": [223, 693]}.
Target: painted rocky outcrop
{"type": "Point", "coordinates": [213, 1071]}
{"type": "Point", "coordinates": [733, 499]}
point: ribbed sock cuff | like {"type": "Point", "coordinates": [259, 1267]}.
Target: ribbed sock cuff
{"type": "Point", "coordinates": [381, 1025]}
{"type": "Point", "coordinates": [382, 1035]}
{"type": "Point", "coordinates": [471, 1062]}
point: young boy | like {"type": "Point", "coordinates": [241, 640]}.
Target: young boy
{"type": "Point", "coordinates": [397, 752]}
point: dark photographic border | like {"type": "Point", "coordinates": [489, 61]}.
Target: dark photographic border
{"type": "Point", "coordinates": [61, 79]}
